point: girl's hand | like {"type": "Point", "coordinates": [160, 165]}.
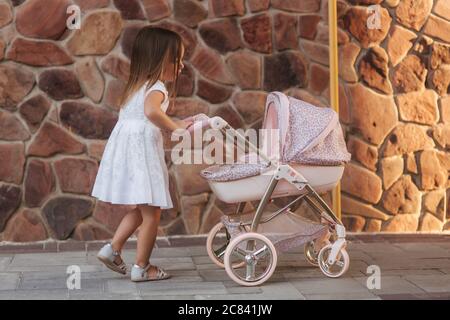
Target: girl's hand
{"type": "Point", "coordinates": [184, 124]}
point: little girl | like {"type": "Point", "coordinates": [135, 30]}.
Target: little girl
{"type": "Point", "coordinates": [133, 170]}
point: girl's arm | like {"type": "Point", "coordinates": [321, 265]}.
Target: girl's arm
{"type": "Point", "coordinates": [152, 110]}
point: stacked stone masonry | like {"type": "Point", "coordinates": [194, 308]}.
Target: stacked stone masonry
{"type": "Point", "coordinates": [59, 92]}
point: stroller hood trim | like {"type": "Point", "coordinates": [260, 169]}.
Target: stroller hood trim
{"type": "Point", "coordinates": [278, 99]}
{"type": "Point", "coordinates": [292, 114]}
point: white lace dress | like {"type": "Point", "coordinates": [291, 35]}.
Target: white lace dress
{"type": "Point", "coordinates": [133, 169]}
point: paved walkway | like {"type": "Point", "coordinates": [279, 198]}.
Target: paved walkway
{"type": "Point", "coordinates": [408, 270]}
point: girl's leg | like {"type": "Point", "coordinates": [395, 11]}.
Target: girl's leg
{"type": "Point", "coordinates": [126, 228]}
{"type": "Point", "coordinates": [147, 233]}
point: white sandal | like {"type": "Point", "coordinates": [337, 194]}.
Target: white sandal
{"type": "Point", "coordinates": [139, 274]}
{"type": "Point", "coordinates": [107, 255]}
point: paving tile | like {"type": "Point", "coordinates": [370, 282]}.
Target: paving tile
{"type": "Point", "coordinates": [236, 297]}
{"type": "Point", "coordinates": [4, 262]}
{"type": "Point", "coordinates": [433, 283]}
{"type": "Point", "coordinates": [34, 295]}
{"type": "Point", "coordinates": [221, 275]}
{"type": "Point", "coordinates": [170, 252]}
{"type": "Point", "coordinates": [315, 272]}
{"type": "Point", "coordinates": [409, 270]}
{"type": "Point", "coordinates": [121, 286]}
{"type": "Point", "coordinates": [56, 260]}
{"type": "Point", "coordinates": [57, 268]}
{"type": "Point", "coordinates": [392, 285]}
{"type": "Point", "coordinates": [106, 296]}
{"type": "Point", "coordinates": [50, 246]}
{"type": "Point", "coordinates": [409, 262]}
{"type": "Point", "coordinates": [21, 248]}
{"type": "Point", "coordinates": [417, 296]}
{"type": "Point", "coordinates": [60, 283]}
{"type": "Point", "coordinates": [106, 275]}
{"type": "Point", "coordinates": [234, 288]}
{"type": "Point", "coordinates": [414, 247]}
{"type": "Point", "coordinates": [372, 248]}
{"type": "Point", "coordinates": [182, 241]}
{"type": "Point", "coordinates": [343, 296]}
{"type": "Point", "coordinates": [167, 297]}
{"type": "Point", "coordinates": [180, 288]}
{"type": "Point", "coordinates": [182, 278]}
{"type": "Point", "coordinates": [444, 270]}
{"type": "Point", "coordinates": [49, 256]}
{"type": "Point", "coordinates": [184, 273]}
{"type": "Point", "coordinates": [93, 260]}
{"type": "Point", "coordinates": [445, 245]}
{"type": "Point", "coordinates": [359, 255]}
{"type": "Point", "coordinates": [282, 290]}
{"type": "Point", "coordinates": [9, 281]}
{"type": "Point", "coordinates": [208, 266]}
{"type": "Point", "coordinates": [301, 274]}
{"type": "Point", "coordinates": [174, 263]}
{"type": "Point", "coordinates": [198, 251]}
{"type": "Point", "coordinates": [329, 286]}
{"type": "Point", "coordinates": [293, 263]}
{"type": "Point", "coordinates": [202, 260]}
{"type": "Point", "coordinates": [292, 257]}
{"type": "Point", "coordinates": [357, 268]}
{"type": "Point", "coordinates": [214, 274]}
{"type": "Point", "coordinates": [270, 291]}
{"type": "Point", "coordinates": [416, 251]}
{"type": "Point", "coordinates": [71, 246]}
{"type": "Point", "coordinates": [162, 242]}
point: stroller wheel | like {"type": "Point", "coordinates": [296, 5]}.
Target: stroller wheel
{"type": "Point", "coordinates": [311, 255]}
{"type": "Point", "coordinates": [339, 267]}
{"type": "Point", "coordinates": [258, 255]}
{"type": "Point", "coordinates": [216, 244]}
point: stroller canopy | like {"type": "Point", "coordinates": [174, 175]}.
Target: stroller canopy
{"type": "Point", "coordinates": [301, 133]}
{"type": "Point", "coordinates": [307, 134]}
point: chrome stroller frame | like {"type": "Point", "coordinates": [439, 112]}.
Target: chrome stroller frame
{"type": "Point", "coordinates": [331, 256]}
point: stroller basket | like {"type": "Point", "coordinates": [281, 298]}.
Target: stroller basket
{"type": "Point", "coordinates": [286, 231]}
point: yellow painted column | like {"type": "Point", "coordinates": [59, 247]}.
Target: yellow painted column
{"type": "Point", "coordinates": [334, 85]}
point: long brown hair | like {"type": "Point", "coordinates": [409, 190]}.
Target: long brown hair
{"type": "Point", "coordinates": [152, 49]}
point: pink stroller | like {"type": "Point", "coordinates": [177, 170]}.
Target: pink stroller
{"type": "Point", "coordinates": [308, 159]}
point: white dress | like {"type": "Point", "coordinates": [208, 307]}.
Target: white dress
{"type": "Point", "coordinates": [133, 169]}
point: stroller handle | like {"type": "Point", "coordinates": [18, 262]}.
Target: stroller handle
{"type": "Point", "coordinates": [217, 123]}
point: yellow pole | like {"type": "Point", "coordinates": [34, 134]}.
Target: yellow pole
{"type": "Point", "coordinates": [334, 85]}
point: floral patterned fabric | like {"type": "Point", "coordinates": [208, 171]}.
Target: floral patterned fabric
{"type": "Point", "coordinates": [231, 172]}
{"type": "Point", "coordinates": [315, 136]}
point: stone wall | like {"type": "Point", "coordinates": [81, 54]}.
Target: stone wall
{"type": "Point", "coordinates": [396, 80]}
{"type": "Point", "coordinates": [59, 91]}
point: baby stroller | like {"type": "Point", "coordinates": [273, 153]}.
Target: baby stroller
{"type": "Point", "coordinates": [308, 160]}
